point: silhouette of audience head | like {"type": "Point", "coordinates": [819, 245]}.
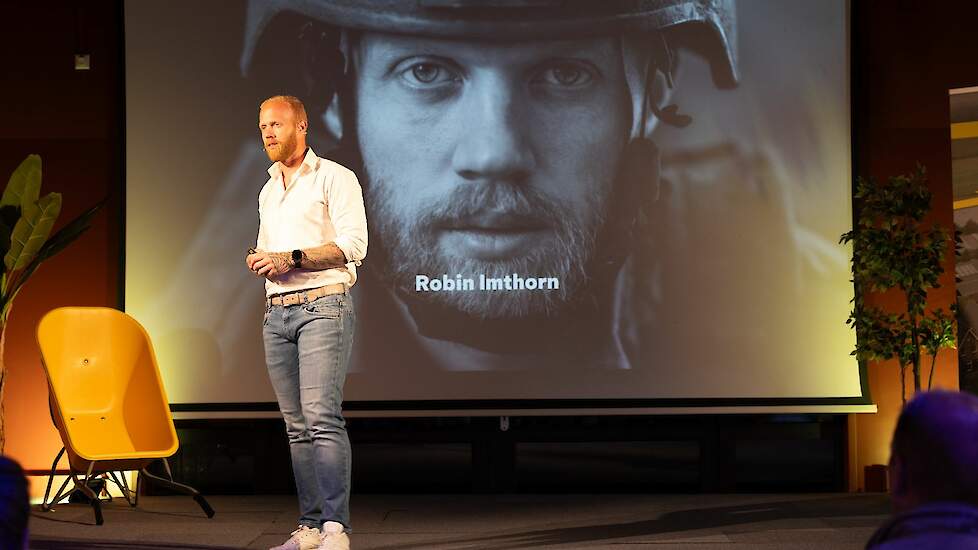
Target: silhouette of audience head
{"type": "Point", "coordinates": [934, 454]}
{"type": "Point", "coordinates": [14, 505]}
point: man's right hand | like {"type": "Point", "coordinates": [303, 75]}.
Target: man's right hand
{"type": "Point", "coordinates": [270, 265]}
{"type": "Point", "coordinates": [253, 256]}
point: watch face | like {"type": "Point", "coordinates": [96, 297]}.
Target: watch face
{"type": "Point", "coordinates": [296, 257]}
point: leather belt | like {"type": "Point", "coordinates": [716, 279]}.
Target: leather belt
{"type": "Point", "coordinates": [304, 296]}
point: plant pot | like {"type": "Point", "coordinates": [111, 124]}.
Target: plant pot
{"type": "Point", "coordinates": [876, 476]}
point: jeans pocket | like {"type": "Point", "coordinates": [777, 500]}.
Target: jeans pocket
{"type": "Point", "coordinates": [328, 307]}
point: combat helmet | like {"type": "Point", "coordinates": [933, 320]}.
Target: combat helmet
{"type": "Point", "coordinates": [655, 29]}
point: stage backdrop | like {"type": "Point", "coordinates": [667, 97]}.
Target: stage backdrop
{"type": "Point", "coordinates": [545, 229]}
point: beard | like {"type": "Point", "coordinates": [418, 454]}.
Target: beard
{"type": "Point", "coordinates": [409, 247]}
{"type": "Point", "coordinates": [284, 150]}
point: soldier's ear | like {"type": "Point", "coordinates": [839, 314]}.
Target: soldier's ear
{"type": "Point", "coordinates": [321, 68]}
{"type": "Point", "coordinates": [658, 95]}
{"type": "Point", "coordinates": [650, 67]}
{"type": "Point", "coordinates": [661, 85]}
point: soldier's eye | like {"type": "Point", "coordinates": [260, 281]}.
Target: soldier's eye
{"type": "Point", "coordinates": [426, 74]}
{"type": "Point", "coordinates": [565, 74]}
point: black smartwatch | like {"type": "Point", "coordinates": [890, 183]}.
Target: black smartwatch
{"type": "Point", "coordinates": [296, 259]}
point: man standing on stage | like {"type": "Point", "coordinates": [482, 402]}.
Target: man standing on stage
{"type": "Point", "coordinates": [312, 234]}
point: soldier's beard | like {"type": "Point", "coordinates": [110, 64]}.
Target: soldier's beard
{"type": "Point", "coordinates": [410, 247]}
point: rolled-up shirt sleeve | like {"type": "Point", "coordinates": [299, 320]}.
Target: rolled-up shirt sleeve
{"type": "Point", "coordinates": [346, 212]}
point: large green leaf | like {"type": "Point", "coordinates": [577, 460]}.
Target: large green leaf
{"type": "Point", "coordinates": [67, 234]}
{"type": "Point", "coordinates": [24, 186]}
{"type": "Point", "coordinates": [32, 230]}
{"type": "Point", "coordinates": [61, 239]}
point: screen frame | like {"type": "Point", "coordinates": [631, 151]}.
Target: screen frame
{"type": "Point", "coordinates": [527, 407]}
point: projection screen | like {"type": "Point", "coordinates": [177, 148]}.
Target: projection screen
{"type": "Point", "coordinates": [567, 205]}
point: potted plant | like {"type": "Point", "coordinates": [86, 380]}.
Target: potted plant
{"type": "Point", "coordinates": [26, 221]}
{"type": "Point", "coordinates": [895, 250]}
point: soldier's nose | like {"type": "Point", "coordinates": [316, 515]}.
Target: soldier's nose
{"type": "Point", "coordinates": [494, 143]}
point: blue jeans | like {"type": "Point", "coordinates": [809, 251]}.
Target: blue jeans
{"type": "Point", "coordinates": [307, 350]}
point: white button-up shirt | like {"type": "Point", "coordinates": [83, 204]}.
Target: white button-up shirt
{"type": "Point", "coordinates": [323, 203]}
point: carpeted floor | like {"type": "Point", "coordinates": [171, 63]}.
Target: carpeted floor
{"type": "Point", "coordinates": [448, 522]}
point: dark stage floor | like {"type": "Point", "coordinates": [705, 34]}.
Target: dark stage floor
{"type": "Point", "coordinates": [443, 522]}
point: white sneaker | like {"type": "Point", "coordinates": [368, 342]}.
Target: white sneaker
{"type": "Point", "coordinates": [303, 538]}
{"type": "Point", "coordinates": [333, 537]}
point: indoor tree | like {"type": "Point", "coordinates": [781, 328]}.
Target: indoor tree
{"type": "Point", "coordinates": [895, 250]}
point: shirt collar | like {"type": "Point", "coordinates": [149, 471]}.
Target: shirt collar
{"type": "Point", "coordinates": [308, 162]}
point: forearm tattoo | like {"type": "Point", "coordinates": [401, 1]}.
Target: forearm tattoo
{"type": "Point", "coordinates": [282, 261]}
{"type": "Point", "coordinates": [327, 256]}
